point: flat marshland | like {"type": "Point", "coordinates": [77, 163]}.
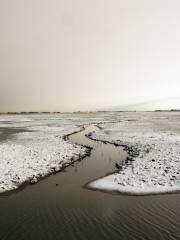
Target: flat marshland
{"type": "Point", "coordinates": [61, 206]}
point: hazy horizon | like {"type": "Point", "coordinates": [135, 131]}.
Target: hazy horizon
{"type": "Point", "coordinates": [66, 55]}
{"type": "Point", "coordinates": [158, 104]}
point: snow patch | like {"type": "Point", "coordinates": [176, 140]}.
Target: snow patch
{"type": "Point", "coordinates": [29, 156]}
{"type": "Point", "coordinates": [156, 165]}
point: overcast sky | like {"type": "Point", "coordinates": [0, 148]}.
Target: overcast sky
{"type": "Point", "coordinates": [65, 55]}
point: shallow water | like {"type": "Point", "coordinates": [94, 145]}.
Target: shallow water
{"type": "Point", "coordinates": [45, 211]}
{"type": "Point", "coordinates": [7, 133]}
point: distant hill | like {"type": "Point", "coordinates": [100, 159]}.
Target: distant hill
{"type": "Point", "coordinates": [163, 104]}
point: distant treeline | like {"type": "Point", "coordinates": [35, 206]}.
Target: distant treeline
{"type": "Point", "coordinates": [171, 110]}
{"type": "Point", "coordinates": [30, 113]}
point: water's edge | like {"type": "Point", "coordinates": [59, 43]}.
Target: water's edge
{"type": "Point", "coordinates": [25, 184]}
{"type": "Point", "coordinates": [68, 137]}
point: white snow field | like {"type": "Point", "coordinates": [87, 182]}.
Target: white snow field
{"type": "Point", "coordinates": [28, 156]}
{"type": "Point", "coordinates": [153, 143]}
{"type": "Point", "coordinates": [33, 146]}
{"type": "Point", "coordinates": [37, 146]}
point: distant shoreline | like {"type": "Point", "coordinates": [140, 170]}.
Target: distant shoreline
{"type": "Point", "coordinates": [25, 113]}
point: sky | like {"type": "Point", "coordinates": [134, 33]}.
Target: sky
{"type": "Point", "coordinates": [70, 55]}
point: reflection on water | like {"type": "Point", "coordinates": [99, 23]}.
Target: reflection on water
{"type": "Point", "coordinates": [45, 211]}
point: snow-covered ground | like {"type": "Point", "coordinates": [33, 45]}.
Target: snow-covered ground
{"type": "Point", "coordinates": [153, 142]}
{"type": "Point", "coordinates": [28, 156]}
{"type": "Point", "coordinates": [33, 146]}
{"type": "Point", "coordinates": [36, 147]}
